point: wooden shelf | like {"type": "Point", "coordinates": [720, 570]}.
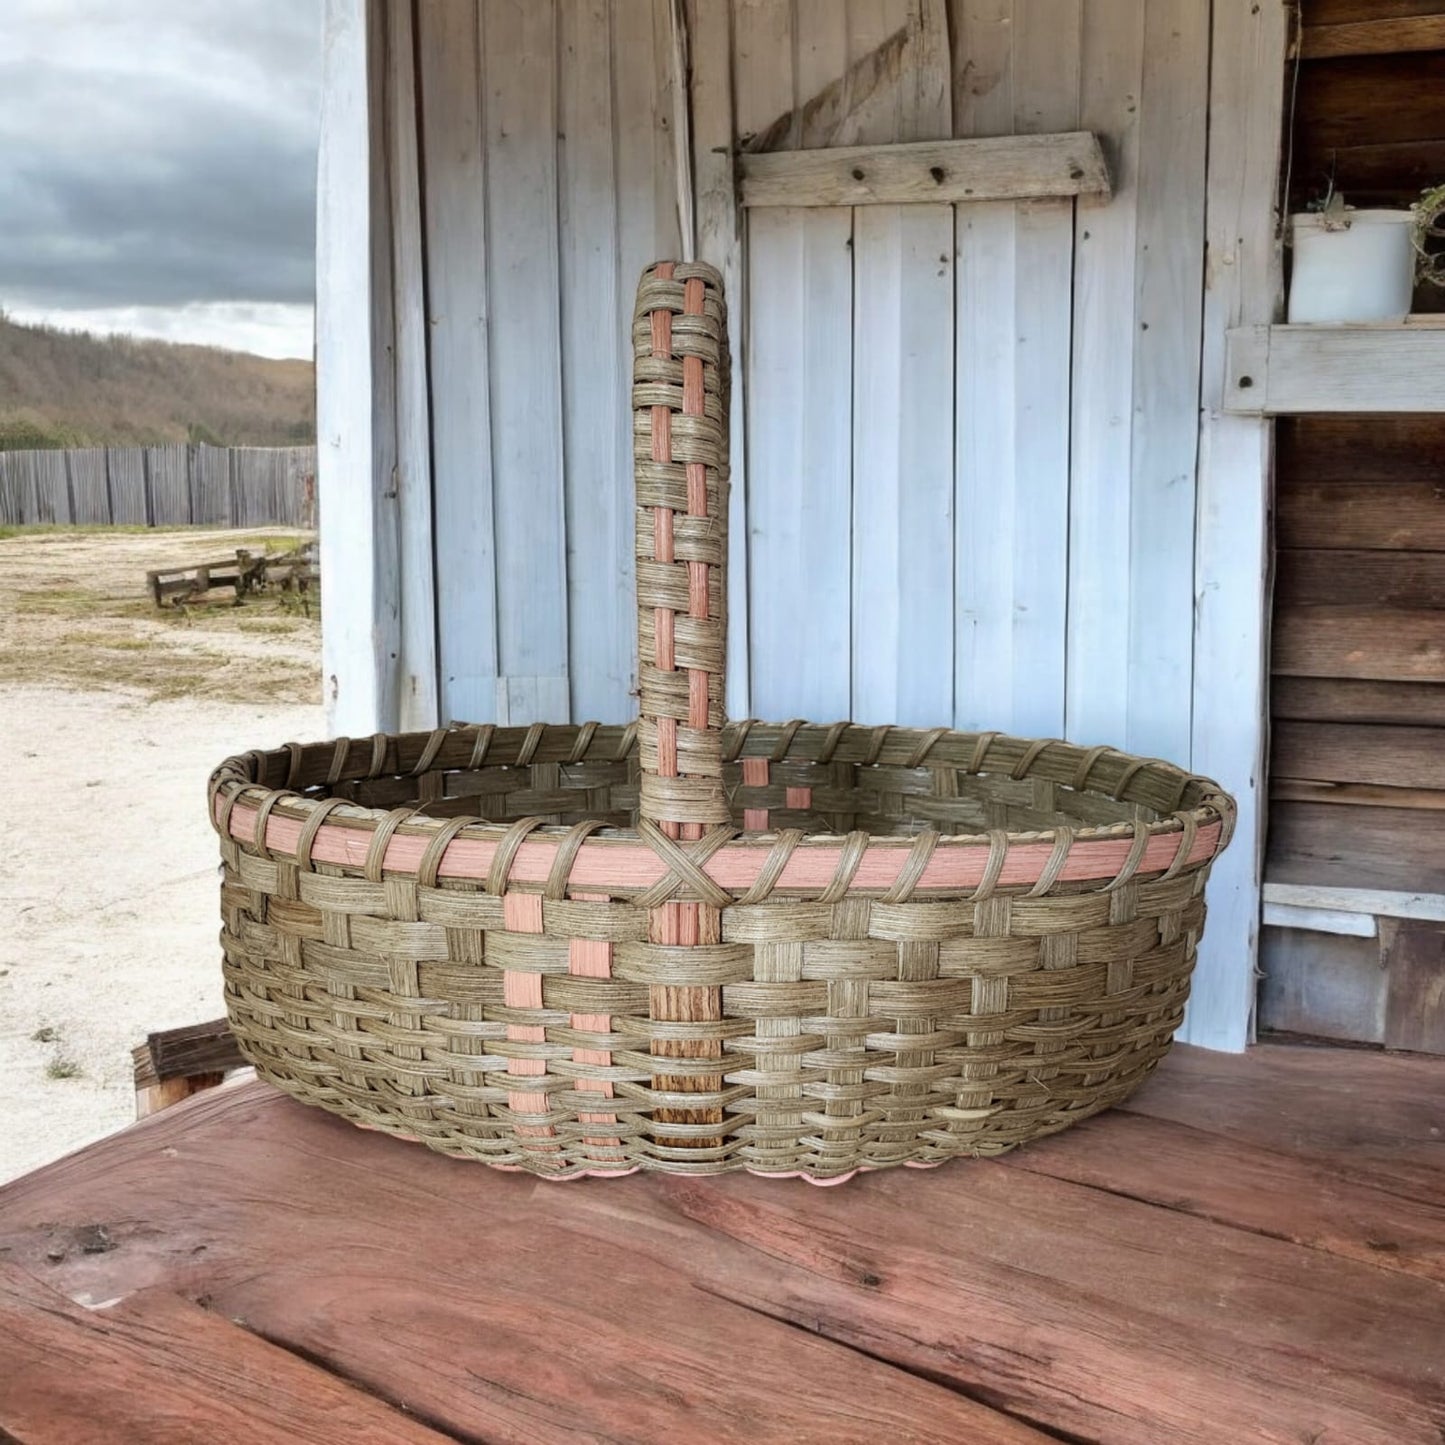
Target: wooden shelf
{"type": "Point", "coordinates": [1293, 370]}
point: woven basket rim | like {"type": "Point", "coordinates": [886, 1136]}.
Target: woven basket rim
{"type": "Point", "coordinates": [731, 866]}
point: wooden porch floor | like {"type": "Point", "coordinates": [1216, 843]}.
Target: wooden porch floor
{"type": "Point", "coordinates": [1253, 1250]}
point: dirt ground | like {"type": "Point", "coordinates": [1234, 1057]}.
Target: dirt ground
{"type": "Point", "coordinates": [112, 716]}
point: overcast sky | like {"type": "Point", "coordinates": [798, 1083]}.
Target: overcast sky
{"type": "Point", "coordinates": [158, 167]}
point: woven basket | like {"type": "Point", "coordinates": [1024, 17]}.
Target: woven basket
{"type": "Point", "coordinates": [923, 944]}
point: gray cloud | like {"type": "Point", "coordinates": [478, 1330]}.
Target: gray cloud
{"type": "Point", "coordinates": [158, 153]}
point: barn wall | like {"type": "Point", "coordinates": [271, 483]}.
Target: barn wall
{"type": "Point", "coordinates": [966, 439]}
{"type": "Point", "coordinates": [1357, 765]}
{"type": "Point", "coordinates": [970, 431]}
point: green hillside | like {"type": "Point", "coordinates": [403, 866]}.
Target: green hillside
{"type": "Point", "coordinates": [69, 389]}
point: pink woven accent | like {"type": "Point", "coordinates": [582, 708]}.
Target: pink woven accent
{"type": "Point", "coordinates": [522, 913]}
{"type": "Point", "coordinates": [755, 775]}
{"type": "Point", "coordinates": [592, 958]}
{"type": "Point", "coordinates": [624, 868]}
{"type": "Point", "coordinates": [799, 797]}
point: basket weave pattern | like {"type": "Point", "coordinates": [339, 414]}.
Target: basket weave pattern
{"type": "Point", "coordinates": [922, 944]}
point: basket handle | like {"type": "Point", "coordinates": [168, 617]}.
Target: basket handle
{"type": "Point", "coordinates": [680, 451]}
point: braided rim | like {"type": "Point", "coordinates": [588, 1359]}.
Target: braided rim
{"type": "Point", "coordinates": [724, 867]}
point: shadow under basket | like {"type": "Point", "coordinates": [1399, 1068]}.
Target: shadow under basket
{"type": "Point", "coordinates": [694, 946]}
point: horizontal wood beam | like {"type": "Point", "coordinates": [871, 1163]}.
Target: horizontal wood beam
{"type": "Point", "coordinates": [1380, 902]}
{"type": "Point", "coordinates": [1386, 644]}
{"type": "Point", "coordinates": [1295, 370]}
{"type": "Point", "coordinates": [1373, 37]}
{"type": "Point", "coordinates": [1359, 795]}
{"type": "Point", "coordinates": [1399, 758]}
{"type": "Point", "coordinates": [998, 168]}
{"type": "Point", "coordinates": [1320, 920]}
{"type": "Point", "coordinates": [1357, 700]}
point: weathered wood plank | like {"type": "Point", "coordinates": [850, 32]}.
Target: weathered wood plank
{"type": "Point", "coordinates": [1373, 37]}
{"type": "Point", "coordinates": [1401, 849]}
{"type": "Point", "coordinates": [157, 1368]}
{"type": "Point", "coordinates": [902, 405]}
{"type": "Point", "coordinates": [1361, 578]}
{"type": "Point", "coordinates": [1105, 334]}
{"type": "Point", "coordinates": [52, 487]}
{"type": "Point", "coordinates": [89, 494]}
{"type": "Point", "coordinates": [1014, 347]}
{"type": "Point", "coordinates": [1396, 757]}
{"type": "Point", "coordinates": [519, 75]}
{"type": "Point", "coordinates": [1335, 369]}
{"type": "Point", "coordinates": [1242, 285]}
{"type": "Point", "coordinates": [12, 502]}
{"type": "Point", "coordinates": [1285, 916]}
{"type": "Point", "coordinates": [719, 241]}
{"type": "Point", "coordinates": [554, 1331]}
{"type": "Point", "coordinates": [601, 613]}
{"type": "Point", "coordinates": [1345, 516]}
{"type": "Point", "coordinates": [1370, 448]}
{"type": "Point", "coordinates": [1371, 795]}
{"type": "Point", "coordinates": [1148, 1324]}
{"type": "Point", "coordinates": [1373, 1118]}
{"type": "Point", "coordinates": [644, 164]}
{"type": "Point", "coordinates": [20, 474]}
{"type": "Point", "coordinates": [1323, 985]}
{"type": "Point", "coordinates": [456, 246]}
{"type": "Point", "coordinates": [1413, 955]}
{"type": "Point", "coordinates": [196, 1048]}
{"type": "Point", "coordinates": [996, 168]}
{"type": "Point", "coordinates": [800, 372]}
{"type": "Point", "coordinates": [1189, 1316]}
{"type": "Point", "coordinates": [1371, 99]}
{"type": "Point", "coordinates": [355, 399]}
{"type": "Point", "coordinates": [1383, 903]}
{"type": "Point", "coordinates": [1345, 12]}
{"type": "Point", "coordinates": [1364, 642]}
{"type": "Point", "coordinates": [127, 470]}
{"type": "Point", "coordinates": [212, 498]}
{"type": "Point", "coordinates": [418, 700]}
{"type": "Point", "coordinates": [1168, 260]}
{"type": "Point", "coordinates": [1248, 1187]}
{"type": "Point", "coordinates": [168, 486]}
{"type": "Point", "coordinates": [1357, 700]}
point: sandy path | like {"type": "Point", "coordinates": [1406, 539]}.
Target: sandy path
{"type": "Point", "coordinates": [108, 912]}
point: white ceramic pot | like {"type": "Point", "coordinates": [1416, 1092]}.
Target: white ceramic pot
{"type": "Point", "coordinates": [1351, 266]}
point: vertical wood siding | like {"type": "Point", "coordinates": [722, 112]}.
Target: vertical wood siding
{"type": "Point", "coordinates": [968, 434]}
{"type": "Point", "coordinates": [970, 431]}
{"type": "Point", "coordinates": [547, 183]}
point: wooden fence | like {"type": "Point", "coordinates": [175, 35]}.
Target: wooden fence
{"type": "Point", "coordinates": [165, 486]}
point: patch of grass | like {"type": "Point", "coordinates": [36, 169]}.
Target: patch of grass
{"type": "Point", "coordinates": [83, 529]}
{"type": "Point", "coordinates": [62, 1068]}
{"type": "Point", "coordinates": [110, 641]}
{"type": "Point", "coordinates": [77, 602]}
{"type": "Point", "coordinates": [270, 542]}
{"type": "Point", "coordinates": [263, 624]}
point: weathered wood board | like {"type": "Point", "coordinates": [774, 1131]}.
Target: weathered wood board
{"type": "Point", "coordinates": [182, 487]}
{"type": "Point", "coordinates": [1000, 168]}
{"type": "Point", "coordinates": [89, 489]}
{"type": "Point", "coordinates": [1251, 1250]}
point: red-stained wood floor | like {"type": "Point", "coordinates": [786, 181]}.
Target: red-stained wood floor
{"type": "Point", "coordinates": [1254, 1249]}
